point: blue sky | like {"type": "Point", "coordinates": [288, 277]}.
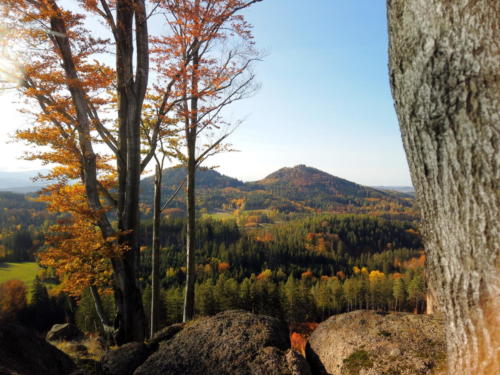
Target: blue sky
{"type": "Point", "coordinates": [325, 99]}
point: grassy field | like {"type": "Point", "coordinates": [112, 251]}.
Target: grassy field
{"type": "Point", "coordinates": [25, 272]}
{"type": "Point", "coordinates": [220, 216]}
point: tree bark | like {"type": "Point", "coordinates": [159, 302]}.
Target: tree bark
{"type": "Point", "coordinates": [444, 70]}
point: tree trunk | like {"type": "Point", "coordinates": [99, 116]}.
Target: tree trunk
{"type": "Point", "coordinates": [130, 319]}
{"type": "Point", "coordinates": [99, 308]}
{"type": "Point", "coordinates": [130, 322]}
{"type": "Point", "coordinates": [191, 135]}
{"type": "Point", "coordinates": [155, 272]}
{"type": "Point", "coordinates": [444, 69]}
{"type": "Point", "coordinates": [191, 238]}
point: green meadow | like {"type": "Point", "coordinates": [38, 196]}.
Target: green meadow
{"type": "Point", "coordinates": [25, 271]}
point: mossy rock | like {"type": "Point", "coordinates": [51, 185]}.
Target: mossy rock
{"type": "Point", "coordinates": [371, 343]}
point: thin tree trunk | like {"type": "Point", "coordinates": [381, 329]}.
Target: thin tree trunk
{"type": "Point", "coordinates": [191, 135]}
{"type": "Point", "coordinates": [190, 240]}
{"type": "Point", "coordinates": [99, 308]}
{"type": "Point", "coordinates": [155, 272]}
{"type": "Point", "coordinates": [444, 68]}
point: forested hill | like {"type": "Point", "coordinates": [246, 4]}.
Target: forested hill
{"type": "Point", "coordinates": [300, 189]}
{"type": "Point", "coordinates": [319, 189]}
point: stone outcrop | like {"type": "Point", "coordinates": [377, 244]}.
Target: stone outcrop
{"type": "Point", "coordinates": [233, 342]}
{"type": "Point", "coordinates": [371, 343]}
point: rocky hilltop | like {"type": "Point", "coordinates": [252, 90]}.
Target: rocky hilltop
{"type": "Point", "coordinates": [238, 342]}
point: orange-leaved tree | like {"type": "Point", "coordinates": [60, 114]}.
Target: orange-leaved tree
{"type": "Point", "coordinates": [12, 299]}
{"type": "Point", "coordinates": [212, 52]}
{"type": "Point", "coordinates": [75, 247]}
{"type": "Point", "coordinates": [89, 82]}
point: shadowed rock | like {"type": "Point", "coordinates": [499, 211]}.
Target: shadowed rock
{"type": "Point", "coordinates": [166, 334]}
{"type": "Point", "coordinates": [125, 359]}
{"type": "Point", "coordinates": [24, 353]}
{"type": "Point", "coordinates": [64, 332]}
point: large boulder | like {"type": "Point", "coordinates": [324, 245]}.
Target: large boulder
{"type": "Point", "coordinates": [22, 352]}
{"type": "Point", "coordinates": [371, 343]}
{"type": "Point", "coordinates": [230, 343]}
{"type": "Point", "coordinates": [64, 332]}
{"type": "Point", "coordinates": [125, 359]}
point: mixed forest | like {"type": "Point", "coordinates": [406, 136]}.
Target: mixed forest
{"type": "Point", "coordinates": [295, 265]}
{"type": "Point", "coordinates": [125, 244]}
{"type": "Point", "coordinates": [117, 91]}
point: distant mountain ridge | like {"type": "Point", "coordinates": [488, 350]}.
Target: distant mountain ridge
{"type": "Point", "coordinates": [296, 189]}
{"type": "Point", "coordinates": [299, 189]}
{"type": "Point", "coordinates": [401, 189]}
{"type": "Point", "coordinates": [21, 182]}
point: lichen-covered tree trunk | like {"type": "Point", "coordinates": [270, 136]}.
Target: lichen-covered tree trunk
{"type": "Point", "coordinates": [445, 69]}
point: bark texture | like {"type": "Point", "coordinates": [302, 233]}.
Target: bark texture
{"type": "Point", "coordinates": [444, 69]}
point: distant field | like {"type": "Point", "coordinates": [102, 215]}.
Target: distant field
{"type": "Point", "coordinates": [219, 216]}
{"type": "Point", "coordinates": [25, 272]}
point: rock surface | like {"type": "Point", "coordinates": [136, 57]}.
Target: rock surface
{"type": "Point", "coordinates": [64, 332]}
{"type": "Point", "coordinates": [166, 333]}
{"type": "Point", "coordinates": [24, 353]}
{"type": "Point", "coordinates": [230, 343]}
{"type": "Point", "coordinates": [370, 343]}
{"type": "Point", "coordinates": [125, 359]}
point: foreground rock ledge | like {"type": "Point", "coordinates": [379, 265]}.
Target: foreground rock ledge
{"type": "Point", "coordinates": [230, 343]}
{"type": "Point", "coordinates": [22, 352]}
{"type": "Point", "coordinates": [371, 343]}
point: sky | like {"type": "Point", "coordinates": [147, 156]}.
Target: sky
{"type": "Point", "coordinates": [324, 100]}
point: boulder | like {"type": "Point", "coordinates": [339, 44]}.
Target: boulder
{"type": "Point", "coordinates": [297, 363]}
{"type": "Point", "coordinates": [230, 343]}
{"type": "Point", "coordinates": [166, 334]}
{"type": "Point", "coordinates": [125, 359]}
{"type": "Point", "coordinates": [64, 332]}
{"type": "Point", "coordinates": [22, 352]}
{"type": "Point", "coordinates": [371, 343]}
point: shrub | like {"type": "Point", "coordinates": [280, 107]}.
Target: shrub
{"type": "Point", "coordinates": [12, 299]}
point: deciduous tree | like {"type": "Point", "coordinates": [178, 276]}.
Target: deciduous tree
{"type": "Point", "coordinates": [12, 299]}
{"type": "Point", "coordinates": [84, 100]}
{"type": "Point", "coordinates": [213, 71]}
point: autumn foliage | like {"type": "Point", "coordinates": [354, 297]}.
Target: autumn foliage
{"type": "Point", "coordinates": [300, 335]}
{"type": "Point", "coordinates": [12, 299]}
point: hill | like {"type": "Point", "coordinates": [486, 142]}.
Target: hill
{"type": "Point", "coordinates": [319, 189]}
{"type": "Point", "coordinates": [20, 182]}
{"type": "Point", "coordinates": [410, 190]}
{"type": "Point", "coordinates": [300, 189]}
